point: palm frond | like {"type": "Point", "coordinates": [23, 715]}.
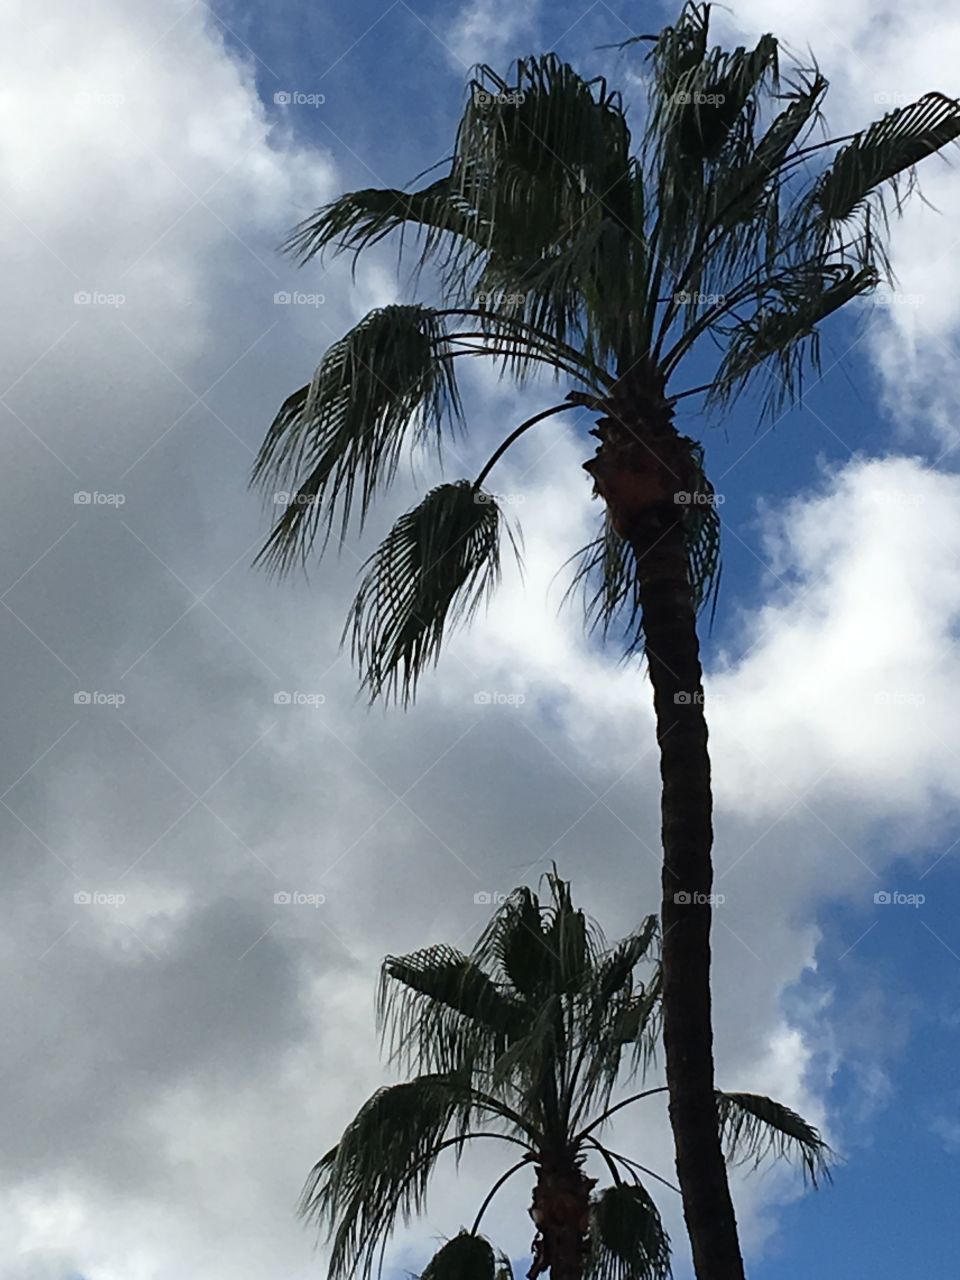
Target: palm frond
{"type": "Point", "coordinates": [781, 339]}
{"type": "Point", "coordinates": [380, 1168]}
{"type": "Point", "coordinates": [752, 1127]}
{"type": "Point", "coordinates": [880, 154]}
{"type": "Point", "coordinates": [358, 219]}
{"type": "Point", "coordinates": [438, 1010]}
{"type": "Point", "coordinates": [606, 577]}
{"type": "Point", "coordinates": [435, 568]}
{"type": "Point", "coordinates": [545, 156]}
{"type": "Point", "coordinates": [617, 968]}
{"type": "Point", "coordinates": [467, 1257]}
{"type": "Point", "coordinates": [608, 585]}
{"type": "Point", "coordinates": [341, 437]}
{"type": "Point", "coordinates": [628, 1239]}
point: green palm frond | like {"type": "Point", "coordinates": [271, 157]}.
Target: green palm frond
{"type": "Point", "coordinates": [753, 1127]}
{"type": "Point", "coordinates": [780, 341]}
{"type": "Point", "coordinates": [467, 1257]}
{"type": "Point", "coordinates": [435, 568]}
{"type": "Point", "coordinates": [628, 1240]}
{"type": "Point", "coordinates": [606, 580]}
{"type": "Point", "coordinates": [545, 156]}
{"type": "Point", "coordinates": [380, 1168]}
{"type": "Point", "coordinates": [891, 146]}
{"type": "Point", "coordinates": [438, 1009]}
{"type": "Point", "coordinates": [617, 968]}
{"type": "Point", "coordinates": [359, 219]}
{"type": "Point", "coordinates": [702, 111]}
{"type": "Point", "coordinates": [341, 437]}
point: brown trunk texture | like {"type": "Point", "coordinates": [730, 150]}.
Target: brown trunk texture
{"type": "Point", "coordinates": [561, 1211]}
{"type": "Point", "coordinates": [640, 467]}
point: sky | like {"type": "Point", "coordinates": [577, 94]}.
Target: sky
{"type": "Point", "coordinates": [179, 1046]}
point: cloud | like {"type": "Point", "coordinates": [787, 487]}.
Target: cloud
{"type": "Point", "coordinates": [491, 31]}
{"type": "Point", "coordinates": [184, 1054]}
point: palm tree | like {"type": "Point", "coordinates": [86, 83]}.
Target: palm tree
{"type": "Point", "coordinates": [726, 237]}
{"type": "Point", "coordinates": [524, 1041]}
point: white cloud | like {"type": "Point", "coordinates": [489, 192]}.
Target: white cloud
{"type": "Point", "coordinates": [491, 31]}
{"type": "Point", "coordinates": [184, 1056]}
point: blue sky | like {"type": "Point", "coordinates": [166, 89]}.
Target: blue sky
{"type": "Point", "coordinates": [889, 1211]}
{"type": "Point", "coordinates": [216, 1043]}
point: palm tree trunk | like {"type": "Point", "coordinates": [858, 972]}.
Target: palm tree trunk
{"type": "Point", "coordinates": [561, 1211]}
{"type": "Point", "coordinates": [641, 465]}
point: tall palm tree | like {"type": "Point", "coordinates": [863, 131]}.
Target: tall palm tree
{"type": "Point", "coordinates": [725, 236]}
{"type": "Point", "coordinates": [525, 1041]}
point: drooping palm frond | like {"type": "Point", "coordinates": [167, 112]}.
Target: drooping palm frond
{"type": "Point", "coordinates": [702, 109]}
{"type": "Point", "coordinates": [380, 1168]}
{"type": "Point", "coordinates": [606, 577]}
{"type": "Point", "coordinates": [606, 580]}
{"type": "Point", "coordinates": [468, 1257]}
{"type": "Point", "coordinates": [780, 341]}
{"type": "Point", "coordinates": [435, 568]}
{"type": "Point", "coordinates": [545, 155]}
{"type": "Point", "coordinates": [877, 156]}
{"type": "Point", "coordinates": [438, 1010]}
{"type": "Point", "coordinates": [342, 436]}
{"type": "Point", "coordinates": [752, 1127]}
{"type": "Point", "coordinates": [628, 1240]}
{"type": "Point", "coordinates": [358, 219]}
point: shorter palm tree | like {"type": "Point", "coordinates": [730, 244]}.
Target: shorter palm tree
{"type": "Point", "coordinates": [524, 1041]}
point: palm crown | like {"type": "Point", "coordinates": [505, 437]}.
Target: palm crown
{"type": "Point", "coordinates": [524, 1040]}
{"type": "Point", "coordinates": [561, 246]}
